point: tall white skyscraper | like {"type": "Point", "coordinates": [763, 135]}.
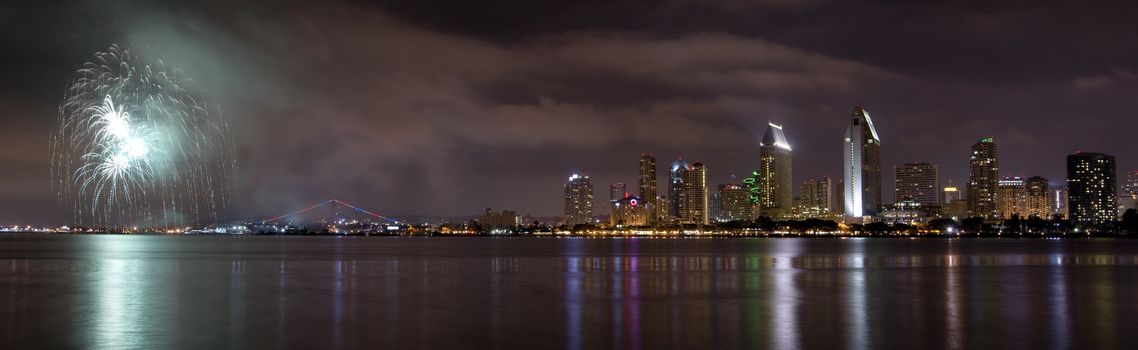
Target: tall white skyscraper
{"type": "Point", "coordinates": [861, 171]}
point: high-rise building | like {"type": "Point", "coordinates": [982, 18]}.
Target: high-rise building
{"type": "Point", "coordinates": [775, 181]}
{"type": "Point", "coordinates": [1091, 184]}
{"type": "Point", "coordinates": [617, 191]}
{"type": "Point", "coordinates": [861, 173]}
{"type": "Point", "coordinates": [498, 222]}
{"type": "Point", "coordinates": [648, 185]}
{"type": "Point", "coordinates": [814, 195]}
{"type": "Point", "coordinates": [951, 194]}
{"type": "Point", "coordinates": [734, 203]}
{"type": "Point", "coordinates": [693, 195]}
{"type": "Point", "coordinates": [1011, 197]}
{"type": "Point", "coordinates": [1130, 187]}
{"type": "Point", "coordinates": [1057, 197]}
{"type": "Point", "coordinates": [714, 205]}
{"type": "Point", "coordinates": [917, 182]}
{"type": "Point", "coordinates": [628, 211]}
{"type": "Point", "coordinates": [578, 200]}
{"type": "Point", "coordinates": [983, 179]}
{"type": "Point", "coordinates": [1036, 190]}
{"type": "Point", "coordinates": [675, 184]}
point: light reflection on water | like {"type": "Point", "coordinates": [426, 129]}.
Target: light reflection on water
{"type": "Point", "coordinates": [314, 292]}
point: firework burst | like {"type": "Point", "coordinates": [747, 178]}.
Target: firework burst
{"type": "Point", "coordinates": [135, 147]}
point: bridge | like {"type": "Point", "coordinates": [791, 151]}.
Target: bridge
{"type": "Point", "coordinates": [335, 205]}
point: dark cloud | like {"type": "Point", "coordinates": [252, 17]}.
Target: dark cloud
{"type": "Point", "coordinates": [436, 107]}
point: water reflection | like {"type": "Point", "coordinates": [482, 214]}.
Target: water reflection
{"type": "Point", "coordinates": [275, 292]}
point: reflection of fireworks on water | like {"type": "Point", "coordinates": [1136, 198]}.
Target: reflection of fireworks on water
{"type": "Point", "coordinates": [134, 147]}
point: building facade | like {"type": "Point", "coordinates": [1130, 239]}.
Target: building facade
{"type": "Point", "coordinates": [918, 182]}
{"type": "Point", "coordinates": [951, 194]}
{"type": "Point", "coordinates": [629, 211]}
{"type": "Point", "coordinates": [983, 179]}
{"type": "Point", "coordinates": [1011, 197]}
{"type": "Point", "coordinates": [1092, 194]}
{"type": "Point", "coordinates": [815, 197]}
{"type": "Point", "coordinates": [647, 181]}
{"type": "Point", "coordinates": [498, 222]}
{"type": "Point", "coordinates": [734, 203]}
{"type": "Point", "coordinates": [693, 196]}
{"type": "Point", "coordinates": [578, 200]}
{"type": "Point", "coordinates": [675, 186]}
{"type": "Point", "coordinates": [1037, 203]}
{"type": "Point", "coordinates": [775, 178]}
{"type": "Point", "coordinates": [1130, 187]}
{"type": "Point", "coordinates": [861, 171]}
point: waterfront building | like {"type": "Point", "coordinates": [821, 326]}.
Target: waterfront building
{"type": "Point", "coordinates": [919, 182]}
{"type": "Point", "coordinates": [1092, 197]}
{"type": "Point", "coordinates": [861, 171]}
{"type": "Point", "coordinates": [1057, 197]}
{"type": "Point", "coordinates": [714, 205]}
{"type": "Point", "coordinates": [693, 196]}
{"type": "Point", "coordinates": [815, 196]}
{"type": "Point", "coordinates": [578, 200]}
{"type": "Point", "coordinates": [1011, 197]}
{"type": "Point", "coordinates": [775, 178]}
{"type": "Point", "coordinates": [951, 194]}
{"type": "Point", "coordinates": [629, 211]}
{"type": "Point", "coordinates": [503, 222]}
{"type": "Point", "coordinates": [675, 186]}
{"type": "Point", "coordinates": [617, 191]}
{"type": "Point", "coordinates": [1130, 187]}
{"type": "Point", "coordinates": [648, 186]}
{"type": "Point", "coordinates": [734, 203]}
{"type": "Point", "coordinates": [1036, 189]}
{"type": "Point", "coordinates": [908, 212]}
{"type": "Point", "coordinates": [983, 179]}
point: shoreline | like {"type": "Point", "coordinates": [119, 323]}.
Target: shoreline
{"type": "Point", "coordinates": [622, 236]}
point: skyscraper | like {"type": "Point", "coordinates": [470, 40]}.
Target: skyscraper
{"type": "Point", "coordinates": [578, 200]}
{"type": "Point", "coordinates": [1091, 188]}
{"type": "Point", "coordinates": [1057, 197]}
{"type": "Point", "coordinates": [734, 203]}
{"type": "Point", "coordinates": [918, 182]}
{"type": "Point", "coordinates": [1130, 187]}
{"type": "Point", "coordinates": [1036, 194]}
{"type": "Point", "coordinates": [675, 184]}
{"type": "Point", "coordinates": [861, 173]}
{"type": "Point", "coordinates": [815, 195]}
{"type": "Point", "coordinates": [951, 194]}
{"type": "Point", "coordinates": [983, 179]}
{"type": "Point", "coordinates": [693, 195]}
{"type": "Point", "coordinates": [617, 191]}
{"type": "Point", "coordinates": [1011, 197]}
{"type": "Point", "coordinates": [648, 185]}
{"type": "Point", "coordinates": [775, 181]}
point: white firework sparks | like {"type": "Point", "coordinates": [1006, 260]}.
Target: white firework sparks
{"type": "Point", "coordinates": [136, 148]}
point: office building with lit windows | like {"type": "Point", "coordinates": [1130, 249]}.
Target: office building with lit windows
{"type": "Point", "coordinates": [917, 182]}
{"type": "Point", "coordinates": [775, 180]}
{"type": "Point", "coordinates": [578, 200]}
{"type": "Point", "coordinates": [983, 179]}
{"type": "Point", "coordinates": [1092, 195]}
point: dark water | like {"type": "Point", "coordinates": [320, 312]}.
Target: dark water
{"type": "Point", "coordinates": [160, 292]}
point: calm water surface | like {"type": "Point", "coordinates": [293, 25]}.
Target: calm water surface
{"type": "Point", "coordinates": [208, 292]}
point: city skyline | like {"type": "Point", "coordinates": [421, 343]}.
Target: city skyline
{"type": "Point", "coordinates": [516, 106]}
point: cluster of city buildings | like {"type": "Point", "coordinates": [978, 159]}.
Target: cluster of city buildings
{"type": "Point", "coordinates": [1089, 197]}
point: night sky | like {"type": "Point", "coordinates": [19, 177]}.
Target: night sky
{"type": "Point", "coordinates": [447, 107]}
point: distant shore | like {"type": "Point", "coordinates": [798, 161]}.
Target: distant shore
{"type": "Point", "coordinates": [707, 235]}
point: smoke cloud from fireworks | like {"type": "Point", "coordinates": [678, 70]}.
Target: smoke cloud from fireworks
{"type": "Point", "coordinates": [136, 147]}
